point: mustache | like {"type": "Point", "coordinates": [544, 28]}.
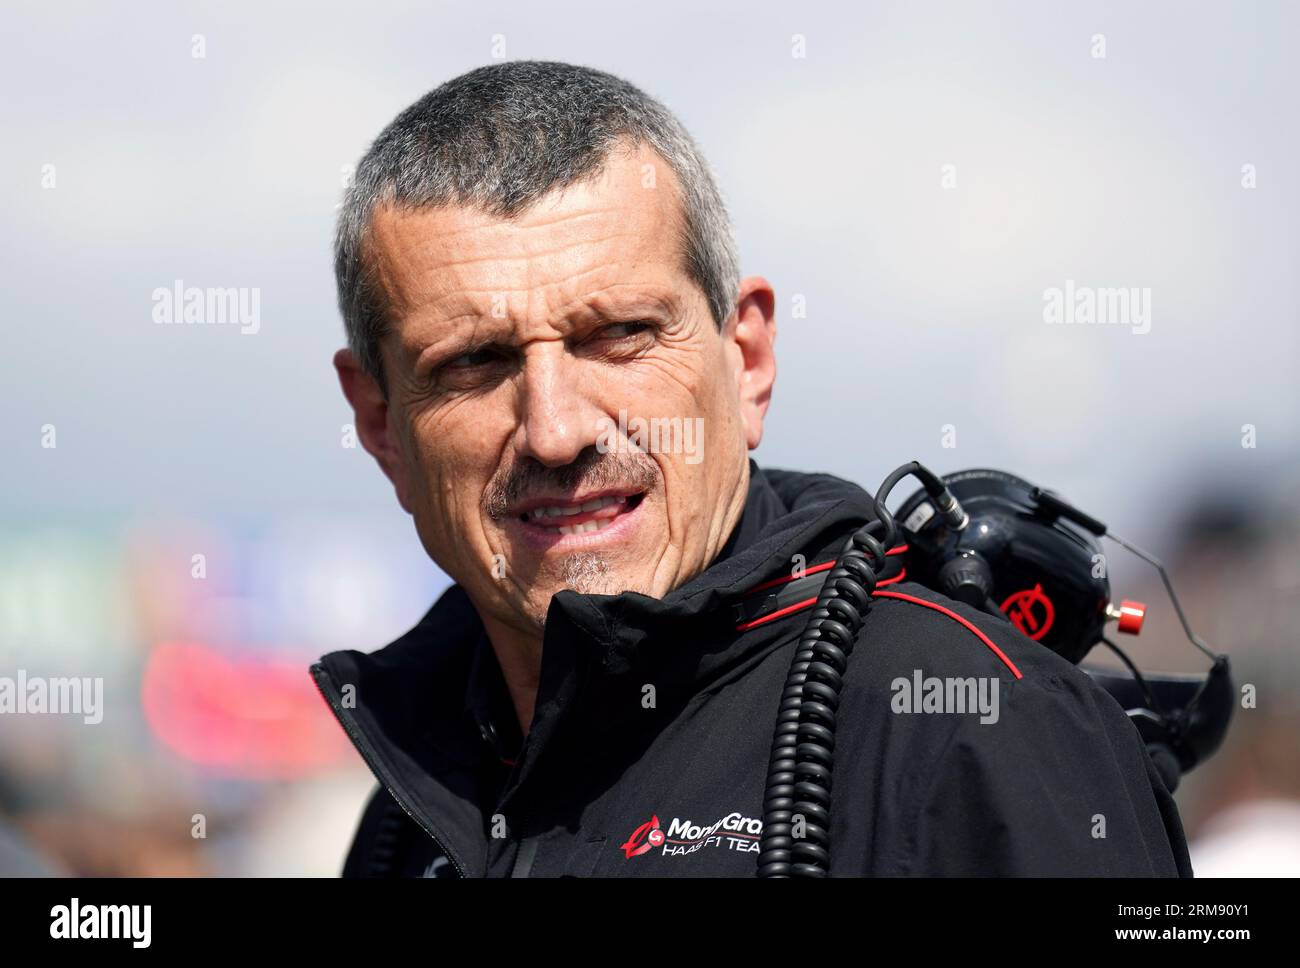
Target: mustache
{"type": "Point", "coordinates": [592, 471]}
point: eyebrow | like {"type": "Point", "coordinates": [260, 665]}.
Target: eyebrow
{"type": "Point", "coordinates": [458, 337]}
{"type": "Point", "coordinates": [628, 307]}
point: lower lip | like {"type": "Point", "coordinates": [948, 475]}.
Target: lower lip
{"type": "Point", "coordinates": [548, 539]}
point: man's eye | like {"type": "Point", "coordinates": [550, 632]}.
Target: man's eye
{"type": "Point", "coordinates": [468, 370]}
{"type": "Point", "coordinates": [624, 330]}
{"type": "Point", "coordinates": [472, 359]}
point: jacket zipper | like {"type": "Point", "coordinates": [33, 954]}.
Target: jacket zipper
{"type": "Point", "coordinates": [384, 776]}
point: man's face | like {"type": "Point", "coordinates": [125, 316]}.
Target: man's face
{"type": "Point", "coordinates": [523, 357]}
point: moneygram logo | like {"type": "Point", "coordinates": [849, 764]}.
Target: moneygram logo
{"type": "Point", "coordinates": [735, 831]}
{"type": "Point", "coordinates": [645, 837]}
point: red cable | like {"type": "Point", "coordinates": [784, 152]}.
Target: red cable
{"type": "Point", "coordinates": [901, 596]}
{"type": "Point", "coordinates": [955, 617]}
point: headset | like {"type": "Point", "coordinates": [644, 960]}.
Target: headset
{"type": "Point", "coordinates": [997, 543]}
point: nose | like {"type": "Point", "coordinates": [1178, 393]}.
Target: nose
{"type": "Point", "coordinates": [557, 421]}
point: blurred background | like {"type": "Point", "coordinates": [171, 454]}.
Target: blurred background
{"type": "Point", "coordinates": [184, 514]}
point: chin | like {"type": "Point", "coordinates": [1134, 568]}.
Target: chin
{"type": "Point", "coordinates": [587, 578]}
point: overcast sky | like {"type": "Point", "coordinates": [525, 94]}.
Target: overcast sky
{"type": "Point", "coordinates": [924, 303]}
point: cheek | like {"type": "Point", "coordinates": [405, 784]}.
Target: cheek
{"type": "Point", "coordinates": [709, 393]}
{"type": "Point", "coordinates": [453, 462]}
{"type": "Point", "coordinates": [680, 381]}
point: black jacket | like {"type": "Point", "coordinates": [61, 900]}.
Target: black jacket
{"type": "Point", "coordinates": [616, 779]}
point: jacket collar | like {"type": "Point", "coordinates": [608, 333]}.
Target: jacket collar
{"type": "Point", "coordinates": [487, 700]}
{"type": "Point", "coordinates": [412, 696]}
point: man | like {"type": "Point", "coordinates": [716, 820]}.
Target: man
{"type": "Point", "coordinates": [554, 360]}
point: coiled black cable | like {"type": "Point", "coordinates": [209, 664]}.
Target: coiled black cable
{"type": "Point", "coordinates": [385, 848]}
{"type": "Point", "coordinates": [797, 799]}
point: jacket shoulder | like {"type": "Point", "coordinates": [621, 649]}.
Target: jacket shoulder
{"type": "Point", "coordinates": [952, 638]}
{"type": "Point", "coordinates": [1057, 781]}
{"type": "Point", "coordinates": [1002, 756]}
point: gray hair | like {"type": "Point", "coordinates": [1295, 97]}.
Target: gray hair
{"type": "Point", "coordinates": [500, 138]}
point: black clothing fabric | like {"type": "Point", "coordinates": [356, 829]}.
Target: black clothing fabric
{"type": "Point", "coordinates": [648, 749]}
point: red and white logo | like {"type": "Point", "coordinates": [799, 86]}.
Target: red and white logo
{"type": "Point", "coordinates": [735, 831]}
{"type": "Point", "coordinates": [646, 836]}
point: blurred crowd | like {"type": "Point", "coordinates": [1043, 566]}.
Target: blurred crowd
{"type": "Point", "coordinates": [216, 756]}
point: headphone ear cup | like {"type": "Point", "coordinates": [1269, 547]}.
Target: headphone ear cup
{"type": "Point", "coordinates": [1031, 567]}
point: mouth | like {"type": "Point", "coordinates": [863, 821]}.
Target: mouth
{"type": "Point", "coordinates": [578, 523]}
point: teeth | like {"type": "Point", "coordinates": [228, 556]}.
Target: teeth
{"type": "Point", "coordinates": [583, 528]}
{"type": "Point", "coordinates": [565, 510]}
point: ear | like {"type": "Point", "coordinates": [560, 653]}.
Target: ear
{"type": "Point", "coordinates": [377, 433]}
{"type": "Point", "coordinates": [754, 333]}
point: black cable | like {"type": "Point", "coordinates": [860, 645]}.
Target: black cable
{"type": "Point", "coordinates": [1152, 704]}
{"type": "Point", "coordinates": [384, 849]}
{"type": "Point", "coordinates": [797, 798]}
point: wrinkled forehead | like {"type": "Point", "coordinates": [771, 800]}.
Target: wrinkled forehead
{"type": "Point", "coordinates": [620, 226]}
